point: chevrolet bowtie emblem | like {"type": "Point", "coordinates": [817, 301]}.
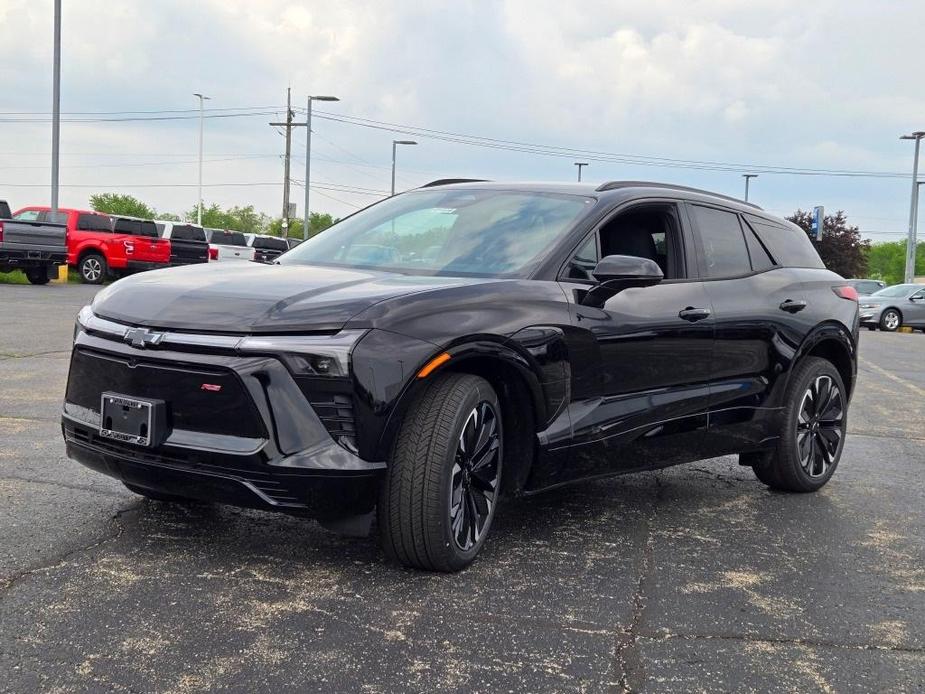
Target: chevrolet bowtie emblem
{"type": "Point", "coordinates": [142, 337]}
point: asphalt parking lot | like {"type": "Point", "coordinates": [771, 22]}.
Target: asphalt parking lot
{"type": "Point", "coordinates": [694, 578]}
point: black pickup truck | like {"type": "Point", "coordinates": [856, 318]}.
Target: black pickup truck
{"type": "Point", "coordinates": [188, 243]}
{"type": "Point", "coordinates": [36, 248]}
{"type": "Point", "coordinates": [266, 248]}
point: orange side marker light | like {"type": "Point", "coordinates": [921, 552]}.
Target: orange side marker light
{"type": "Point", "coordinates": [433, 364]}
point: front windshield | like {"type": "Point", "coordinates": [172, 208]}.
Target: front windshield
{"type": "Point", "coordinates": [448, 232]}
{"type": "Point", "coordinates": [895, 290]}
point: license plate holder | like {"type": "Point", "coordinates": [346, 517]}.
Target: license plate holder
{"type": "Point", "coordinates": [134, 420]}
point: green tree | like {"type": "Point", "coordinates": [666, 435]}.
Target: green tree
{"type": "Point", "coordinates": [245, 219]}
{"type": "Point", "coordinates": [887, 261]}
{"type": "Point", "coordinates": [116, 203]}
{"type": "Point", "coordinates": [317, 221]}
{"type": "Point", "coordinates": [841, 247]}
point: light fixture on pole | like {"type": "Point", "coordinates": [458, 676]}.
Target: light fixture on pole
{"type": "Point", "coordinates": [202, 98]}
{"type": "Point", "coordinates": [308, 156]}
{"type": "Point", "coordinates": [747, 178]}
{"type": "Point", "coordinates": [580, 165]}
{"type": "Point", "coordinates": [913, 205]}
{"type": "Point", "coordinates": [395, 143]}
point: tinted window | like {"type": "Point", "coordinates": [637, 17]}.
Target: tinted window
{"type": "Point", "coordinates": [126, 226]}
{"type": "Point", "coordinates": [94, 222]}
{"type": "Point", "coordinates": [761, 259]}
{"type": "Point", "coordinates": [724, 250]}
{"type": "Point", "coordinates": [789, 245]}
{"type": "Point", "coordinates": [272, 244]}
{"type": "Point", "coordinates": [160, 227]}
{"type": "Point", "coordinates": [53, 217]}
{"type": "Point", "coordinates": [448, 232]}
{"type": "Point", "coordinates": [228, 238]}
{"type": "Point", "coordinates": [585, 260]}
{"type": "Point", "coordinates": [187, 232]}
{"type": "Point", "coordinates": [4, 210]}
{"type": "Point", "coordinates": [148, 229]}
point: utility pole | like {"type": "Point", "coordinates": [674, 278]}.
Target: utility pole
{"type": "Point", "coordinates": [288, 125]}
{"type": "Point", "coordinates": [308, 156]}
{"type": "Point", "coordinates": [748, 177]}
{"type": "Point", "coordinates": [580, 165]}
{"type": "Point", "coordinates": [56, 109]}
{"type": "Point", "coordinates": [913, 207]}
{"type": "Point", "coordinates": [199, 199]}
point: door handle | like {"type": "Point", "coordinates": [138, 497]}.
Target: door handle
{"type": "Point", "coordinates": [694, 314]}
{"type": "Point", "coordinates": [791, 306]}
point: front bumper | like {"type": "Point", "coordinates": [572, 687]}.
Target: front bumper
{"type": "Point", "coordinates": [870, 316]}
{"type": "Point", "coordinates": [259, 445]}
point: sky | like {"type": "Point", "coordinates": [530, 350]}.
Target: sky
{"type": "Point", "coordinates": [695, 92]}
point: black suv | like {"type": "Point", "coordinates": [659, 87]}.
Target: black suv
{"type": "Point", "coordinates": [466, 340]}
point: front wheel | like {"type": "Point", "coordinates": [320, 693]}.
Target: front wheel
{"type": "Point", "coordinates": [440, 493]}
{"type": "Point", "coordinates": [814, 426]}
{"type": "Point", "coordinates": [890, 320]}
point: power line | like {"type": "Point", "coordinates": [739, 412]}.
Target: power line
{"type": "Point", "coordinates": [135, 119]}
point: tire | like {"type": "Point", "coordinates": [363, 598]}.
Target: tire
{"type": "Point", "coordinates": [871, 327]}
{"type": "Point", "coordinates": [92, 268]}
{"type": "Point", "coordinates": [438, 501]}
{"type": "Point", "coordinates": [37, 275]}
{"type": "Point", "coordinates": [793, 465]}
{"type": "Point", "coordinates": [891, 320]}
{"type": "Point", "coordinates": [158, 496]}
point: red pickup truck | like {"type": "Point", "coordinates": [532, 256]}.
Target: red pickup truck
{"type": "Point", "coordinates": [100, 246]}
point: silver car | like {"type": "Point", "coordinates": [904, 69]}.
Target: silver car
{"type": "Point", "coordinates": [901, 304]}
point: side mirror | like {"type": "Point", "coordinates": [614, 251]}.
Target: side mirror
{"type": "Point", "coordinates": [916, 298]}
{"type": "Point", "coordinates": [627, 271]}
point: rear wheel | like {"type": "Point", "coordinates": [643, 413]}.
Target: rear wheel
{"type": "Point", "coordinates": [92, 268]}
{"type": "Point", "coordinates": [440, 493]}
{"type": "Point", "coordinates": [890, 320]}
{"type": "Point", "coordinates": [37, 275]}
{"type": "Point", "coordinates": [814, 427]}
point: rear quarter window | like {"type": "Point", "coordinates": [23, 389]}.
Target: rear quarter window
{"type": "Point", "coordinates": [228, 238]}
{"type": "Point", "coordinates": [186, 232]}
{"type": "Point", "coordinates": [788, 244]}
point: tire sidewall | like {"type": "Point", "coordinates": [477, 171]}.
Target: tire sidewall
{"type": "Point", "coordinates": [457, 556]}
{"type": "Point", "coordinates": [883, 325]}
{"type": "Point", "coordinates": [102, 262]}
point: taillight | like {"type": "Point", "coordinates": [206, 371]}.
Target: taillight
{"type": "Point", "coordinates": [213, 254]}
{"type": "Point", "coordinates": [1, 232]}
{"type": "Point", "coordinates": [846, 291]}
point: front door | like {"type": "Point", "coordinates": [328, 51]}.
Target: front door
{"type": "Point", "coordinates": [640, 396]}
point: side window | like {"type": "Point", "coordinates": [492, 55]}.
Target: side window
{"type": "Point", "coordinates": [584, 261]}
{"type": "Point", "coordinates": [761, 259]}
{"type": "Point", "coordinates": [27, 216]}
{"type": "Point", "coordinates": [724, 251]}
{"type": "Point", "coordinates": [54, 217]}
{"type": "Point", "coordinates": [789, 245]}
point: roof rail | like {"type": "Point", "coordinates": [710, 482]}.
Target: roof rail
{"type": "Point", "coordinates": [615, 185]}
{"type": "Point", "coordinates": [450, 181]}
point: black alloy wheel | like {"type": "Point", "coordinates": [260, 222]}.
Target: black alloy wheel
{"type": "Point", "coordinates": [820, 426]}
{"type": "Point", "coordinates": [475, 475]}
{"type": "Point", "coordinates": [442, 486]}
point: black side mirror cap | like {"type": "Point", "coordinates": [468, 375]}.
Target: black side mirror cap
{"type": "Point", "coordinates": [628, 271]}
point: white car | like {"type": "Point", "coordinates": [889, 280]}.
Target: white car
{"type": "Point", "coordinates": [267, 248]}
{"type": "Point", "coordinates": [228, 245]}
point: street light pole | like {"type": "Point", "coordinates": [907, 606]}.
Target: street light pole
{"type": "Point", "coordinates": [395, 143]}
{"type": "Point", "coordinates": [56, 109]}
{"type": "Point", "coordinates": [308, 157]}
{"type": "Point", "coordinates": [580, 165]}
{"type": "Point", "coordinates": [913, 206]}
{"type": "Point", "coordinates": [199, 198]}
{"type": "Point", "coordinates": [747, 178]}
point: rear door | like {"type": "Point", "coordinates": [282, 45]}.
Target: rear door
{"type": "Point", "coordinates": [640, 389]}
{"type": "Point", "coordinates": [759, 315]}
{"type": "Point", "coordinates": [914, 313]}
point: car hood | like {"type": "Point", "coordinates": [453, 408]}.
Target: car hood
{"type": "Point", "coordinates": [256, 298]}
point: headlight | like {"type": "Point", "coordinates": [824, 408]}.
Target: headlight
{"type": "Point", "coordinates": [309, 355]}
{"type": "Point", "coordinates": [869, 306]}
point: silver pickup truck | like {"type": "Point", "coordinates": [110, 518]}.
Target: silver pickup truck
{"type": "Point", "coordinates": [36, 248]}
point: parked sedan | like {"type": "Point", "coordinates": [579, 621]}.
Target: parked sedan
{"type": "Point", "coordinates": [867, 287]}
{"type": "Point", "coordinates": [888, 309]}
{"type": "Point", "coordinates": [462, 341]}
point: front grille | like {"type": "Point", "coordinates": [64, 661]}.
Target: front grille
{"type": "Point", "coordinates": [212, 400]}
